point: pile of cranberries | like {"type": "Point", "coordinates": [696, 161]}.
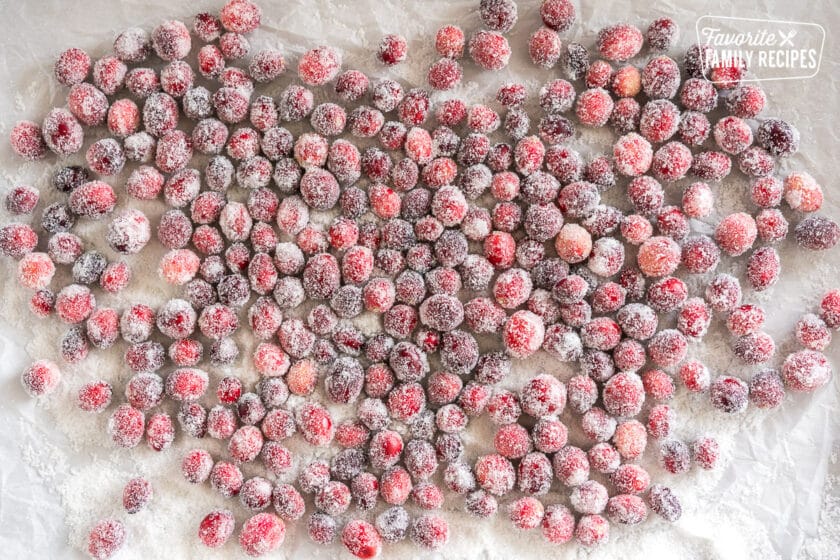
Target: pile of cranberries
{"type": "Point", "coordinates": [453, 224]}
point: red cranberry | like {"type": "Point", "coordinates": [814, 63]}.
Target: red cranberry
{"type": "Point", "coordinates": [106, 538]}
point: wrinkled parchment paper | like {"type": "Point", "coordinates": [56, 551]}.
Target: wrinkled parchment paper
{"type": "Point", "coordinates": [774, 493]}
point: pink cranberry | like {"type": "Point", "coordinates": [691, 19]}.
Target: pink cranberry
{"type": "Point", "coordinates": [705, 451]}
{"type": "Point", "coordinates": [361, 539]}
{"type": "Point", "coordinates": [571, 466]}
{"type": "Point", "coordinates": [667, 294]}
{"type": "Point", "coordinates": [633, 154]}
{"type": "Point", "coordinates": [732, 135]}
{"type": "Point", "coordinates": [812, 332]}
{"type": "Point", "coordinates": [711, 166]}
{"type": "Point", "coordinates": [267, 65]}
{"type": "Point", "coordinates": [41, 378]}
{"type": "Point", "coordinates": [430, 531]}
{"type": "Point", "coordinates": [62, 132]}
{"type": "Point", "coordinates": [94, 396]}
{"type": "Point", "coordinates": [351, 85]}
{"type": "Point", "coordinates": [660, 420]}
{"type": "Point", "coordinates": [729, 394]}
{"type": "Point", "coordinates": [802, 192]}
{"type": "Point", "coordinates": [526, 513]}
{"type": "Point", "coordinates": [746, 101]}
{"type": "Point", "coordinates": [27, 141]}
{"type": "Point", "coordinates": [659, 256]}
{"type": "Point", "coordinates": [88, 104]}
{"type": "Point", "coordinates": [593, 107]}
{"type": "Point", "coordinates": [319, 66]}
{"type": "Point", "coordinates": [263, 532]}
{"type": "Point", "coordinates": [544, 47]}
{"type": "Point", "coordinates": [171, 40]}
{"type": "Point", "coordinates": [558, 523]}
{"type": "Point", "coordinates": [672, 161]}
{"type": "Point", "coordinates": [490, 50]}
{"type": "Point", "coordinates": [105, 539]}
{"type": "Point", "coordinates": [72, 66]}
{"type": "Point", "coordinates": [35, 270]}
{"type": "Point", "coordinates": [216, 528]}
{"type": "Point", "coordinates": [745, 319]}
{"type": "Point", "coordinates": [315, 424]}
{"type": "Point", "coordinates": [630, 479]}
{"type": "Point", "coordinates": [589, 498]}
{"type": "Point", "coordinates": [806, 370]}
{"type": "Point", "coordinates": [449, 41]}
{"type": "Point", "coordinates": [767, 389]}
{"type": "Point", "coordinates": [619, 42]}
{"type": "Point", "coordinates": [661, 78]}
{"type": "Point", "coordinates": [393, 49]}
{"type": "Point", "coordinates": [126, 426]}
{"type": "Point", "coordinates": [523, 334]}
{"type": "Point", "coordinates": [675, 457]}
{"type": "Point", "coordinates": [698, 95]}
{"type": "Point", "coordinates": [659, 120]}
{"type": "Point", "coordinates": [196, 466]}
{"type": "Point", "coordinates": [136, 494]}
{"type": "Point", "coordinates": [226, 478]}
{"type": "Point", "coordinates": [287, 500]}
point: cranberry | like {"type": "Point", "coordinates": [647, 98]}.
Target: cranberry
{"type": "Point", "coordinates": [72, 66]}
{"type": "Point", "coordinates": [392, 49]}
{"type": "Point", "coordinates": [490, 50]}
{"type": "Point", "coordinates": [171, 40]}
{"type": "Point", "coordinates": [106, 538]}
{"type": "Point", "coordinates": [449, 41]}
{"type": "Point", "coordinates": [766, 389]}
{"type": "Point", "coordinates": [805, 371]}
{"type": "Point", "coordinates": [361, 539]}
{"type": "Point", "coordinates": [287, 500]}
{"type": "Point", "coordinates": [264, 532]}
{"type": "Point", "coordinates": [27, 141]}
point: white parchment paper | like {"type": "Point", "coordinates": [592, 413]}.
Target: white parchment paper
{"type": "Point", "coordinates": [777, 492]}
